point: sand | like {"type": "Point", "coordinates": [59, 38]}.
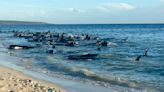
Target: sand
{"type": "Point", "coordinates": [14, 81]}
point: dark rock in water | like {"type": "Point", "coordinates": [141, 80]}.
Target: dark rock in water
{"type": "Point", "coordinates": [50, 90]}
{"type": "Point", "coordinates": [84, 56]}
{"type": "Point", "coordinates": [19, 47]}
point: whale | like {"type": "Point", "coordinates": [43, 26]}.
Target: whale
{"type": "Point", "coordinates": [83, 56]}
{"type": "Point", "coordinates": [138, 58]}
{"type": "Point", "coordinates": [145, 55]}
{"type": "Point", "coordinates": [16, 47]}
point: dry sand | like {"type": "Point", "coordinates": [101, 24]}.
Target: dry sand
{"type": "Point", "coordinates": [14, 81]}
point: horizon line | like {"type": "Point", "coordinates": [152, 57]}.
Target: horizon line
{"type": "Point", "coordinates": [19, 21]}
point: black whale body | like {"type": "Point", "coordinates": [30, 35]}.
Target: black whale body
{"type": "Point", "coordinates": [84, 56]}
{"type": "Point", "coordinates": [20, 47]}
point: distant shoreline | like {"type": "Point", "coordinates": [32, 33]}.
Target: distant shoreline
{"type": "Point", "coordinates": [15, 22]}
{"type": "Point", "coordinates": [4, 22]}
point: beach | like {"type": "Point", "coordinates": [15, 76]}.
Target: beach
{"type": "Point", "coordinates": [14, 81]}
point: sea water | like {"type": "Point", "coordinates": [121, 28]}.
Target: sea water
{"type": "Point", "coordinates": [116, 64]}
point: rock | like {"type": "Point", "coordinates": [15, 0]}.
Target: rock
{"type": "Point", "coordinates": [50, 90]}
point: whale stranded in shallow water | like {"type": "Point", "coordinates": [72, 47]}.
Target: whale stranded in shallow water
{"type": "Point", "coordinates": [55, 40]}
{"type": "Point", "coordinates": [71, 43]}
{"type": "Point", "coordinates": [83, 56]}
{"type": "Point", "coordinates": [19, 47]}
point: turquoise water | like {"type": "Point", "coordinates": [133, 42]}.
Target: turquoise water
{"type": "Point", "coordinates": [115, 64]}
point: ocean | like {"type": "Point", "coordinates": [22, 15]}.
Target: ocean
{"type": "Point", "coordinates": [115, 64]}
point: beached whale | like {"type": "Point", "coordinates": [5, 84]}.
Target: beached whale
{"type": "Point", "coordinates": [71, 43]}
{"type": "Point", "coordinates": [105, 43]}
{"type": "Point", "coordinates": [19, 47]}
{"type": "Point", "coordinates": [83, 56]}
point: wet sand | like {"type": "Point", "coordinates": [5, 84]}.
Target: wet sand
{"type": "Point", "coordinates": [14, 81]}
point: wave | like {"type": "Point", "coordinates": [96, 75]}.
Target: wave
{"type": "Point", "coordinates": [85, 73]}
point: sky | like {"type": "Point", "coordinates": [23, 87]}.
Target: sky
{"type": "Point", "coordinates": [83, 11]}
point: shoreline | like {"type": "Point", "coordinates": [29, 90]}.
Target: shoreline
{"type": "Point", "coordinates": [64, 84]}
{"type": "Point", "coordinates": [15, 81]}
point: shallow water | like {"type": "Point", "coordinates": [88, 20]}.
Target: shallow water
{"type": "Point", "coordinates": [115, 64]}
